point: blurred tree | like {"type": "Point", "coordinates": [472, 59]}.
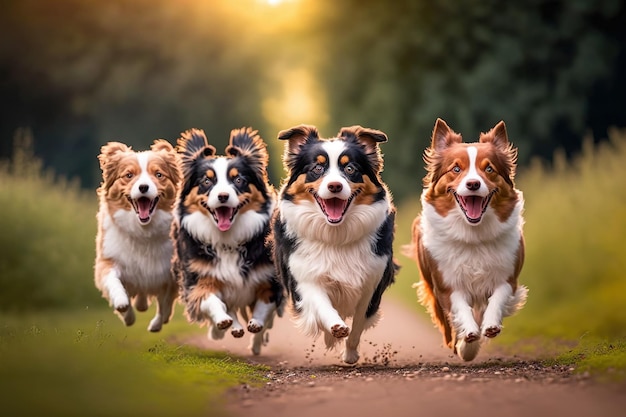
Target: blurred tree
{"type": "Point", "coordinates": [549, 69]}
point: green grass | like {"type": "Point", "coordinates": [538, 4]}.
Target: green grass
{"type": "Point", "coordinates": [575, 260]}
{"type": "Point", "coordinates": [89, 363]}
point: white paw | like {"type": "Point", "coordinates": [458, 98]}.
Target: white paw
{"type": "Point", "coordinates": [350, 356]}
{"type": "Point", "coordinates": [340, 330]}
{"type": "Point", "coordinates": [155, 324]}
{"type": "Point", "coordinates": [254, 326]}
{"type": "Point", "coordinates": [120, 302]}
{"type": "Point", "coordinates": [237, 332]}
{"type": "Point", "coordinates": [492, 331]}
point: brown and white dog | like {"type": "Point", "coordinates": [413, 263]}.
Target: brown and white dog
{"type": "Point", "coordinates": [468, 240]}
{"type": "Point", "coordinates": [133, 245]}
{"type": "Point", "coordinates": [222, 255]}
{"type": "Point", "coordinates": [333, 232]}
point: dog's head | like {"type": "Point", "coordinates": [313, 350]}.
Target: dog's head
{"type": "Point", "coordinates": [224, 187]}
{"type": "Point", "coordinates": [139, 181]}
{"type": "Point", "coordinates": [334, 174]}
{"type": "Point", "coordinates": [471, 176]}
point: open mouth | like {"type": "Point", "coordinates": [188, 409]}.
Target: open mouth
{"type": "Point", "coordinates": [334, 208]}
{"type": "Point", "coordinates": [473, 206]}
{"type": "Point", "coordinates": [223, 216]}
{"type": "Point", "coordinates": [144, 207]}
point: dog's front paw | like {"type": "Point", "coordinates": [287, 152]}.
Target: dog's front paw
{"type": "Point", "coordinates": [492, 331]}
{"type": "Point", "coordinates": [471, 337]}
{"type": "Point", "coordinates": [121, 303]}
{"type": "Point", "coordinates": [224, 324]}
{"type": "Point", "coordinates": [254, 326]}
{"type": "Point", "coordinates": [340, 331]}
{"type": "Point", "coordinates": [237, 332]}
{"type": "Point", "coordinates": [350, 356]}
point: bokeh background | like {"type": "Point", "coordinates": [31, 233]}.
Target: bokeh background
{"type": "Point", "coordinates": [75, 74]}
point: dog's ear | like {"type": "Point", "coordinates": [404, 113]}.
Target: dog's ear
{"type": "Point", "coordinates": [247, 144]}
{"type": "Point", "coordinates": [110, 155]}
{"type": "Point", "coordinates": [297, 136]}
{"type": "Point", "coordinates": [443, 136]}
{"type": "Point", "coordinates": [369, 140]}
{"type": "Point", "coordinates": [500, 139]}
{"type": "Point", "coordinates": [161, 145]}
{"type": "Point", "coordinates": [168, 153]}
{"type": "Point", "coordinates": [110, 151]}
{"type": "Point", "coordinates": [193, 146]}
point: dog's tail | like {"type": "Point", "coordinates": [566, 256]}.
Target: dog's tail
{"type": "Point", "coordinates": [192, 146]}
{"type": "Point", "coordinates": [247, 144]}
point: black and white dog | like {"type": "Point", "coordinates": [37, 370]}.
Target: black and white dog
{"type": "Point", "coordinates": [222, 253]}
{"type": "Point", "coordinates": [333, 232]}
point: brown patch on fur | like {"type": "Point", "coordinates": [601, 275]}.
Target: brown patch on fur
{"type": "Point", "coordinates": [254, 200]}
{"type": "Point", "coordinates": [300, 190]}
{"type": "Point", "coordinates": [431, 291]}
{"type": "Point", "coordinates": [264, 292]}
{"type": "Point", "coordinates": [233, 172]}
{"type": "Point", "coordinates": [210, 173]}
{"type": "Point", "coordinates": [193, 201]}
{"type": "Point", "coordinates": [367, 191]}
{"type": "Point", "coordinates": [321, 159]}
{"type": "Point", "coordinates": [344, 160]}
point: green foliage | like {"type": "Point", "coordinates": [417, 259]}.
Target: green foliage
{"type": "Point", "coordinates": [47, 244]}
{"type": "Point", "coordinates": [66, 365]}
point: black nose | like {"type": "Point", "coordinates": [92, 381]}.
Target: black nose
{"type": "Point", "coordinates": [473, 185]}
{"type": "Point", "coordinates": [143, 188]}
{"type": "Point", "coordinates": [222, 197]}
{"type": "Point", "coordinates": [335, 187]}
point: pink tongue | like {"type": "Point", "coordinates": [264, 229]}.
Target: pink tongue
{"type": "Point", "coordinates": [143, 206]}
{"type": "Point", "coordinates": [334, 208]}
{"type": "Point", "coordinates": [474, 206]}
{"type": "Point", "coordinates": [223, 218]}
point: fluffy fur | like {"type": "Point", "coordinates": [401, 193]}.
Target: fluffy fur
{"type": "Point", "coordinates": [468, 239]}
{"type": "Point", "coordinates": [133, 246]}
{"type": "Point", "coordinates": [223, 260]}
{"type": "Point", "coordinates": [333, 232]}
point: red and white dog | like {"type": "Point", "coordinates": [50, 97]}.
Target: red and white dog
{"type": "Point", "coordinates": [468, 240]}
{"type": "Point", "coordinates": [133, 245]}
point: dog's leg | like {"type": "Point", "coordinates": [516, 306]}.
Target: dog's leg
{"type": "Point", "coordinates": [315, 307]}
{"type": "Point", "coordinates": [262, 311]}
{"type": "Point", "coordinates": [118, 297]}
{"type": "Point", "coordinates": [494, 313]}
{"type": "Point", "coordinates": [165, 304]}
{"type": "Point", "coordinates": [141, 302]}
{"type": "Point", "coordinates": [237, 329]}
{"type": "Point", "coordinates": [351, 354]}
{"type": "Point", "coordinates": [215, 310]}
{"type": "Point", "coordinates": [467, 330]}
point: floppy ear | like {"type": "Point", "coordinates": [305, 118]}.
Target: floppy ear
{"type": "Point", "coordinates": [109, 151]}
{"type": "Point", "coordinates": [369, 140]}
{"type": "Point", "coordinates": [161, 145]}
{"type": "Point", "coordinates": [297, 136]}
{"type": "Point", "coordinates": [110, 155]}
{"type": "Point", "coordinates": [443, 136]}
{"type": "Point", "coordinates": [193, 147]}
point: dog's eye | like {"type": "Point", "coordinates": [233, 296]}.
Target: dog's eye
{"type": "Point", "coordinates": [318, 169]}
{"type": "Point", "coordinates": [158, 175]}
{"type": "Point", "coordinates": [129, 175]}
{"type": "Point", "coordinates": [489, 169]}
{"type": "Point", "coordinates": [239, 181]}
{"type": "Point", "coordinates": [456, 169]}
{"type": "Point", "coordinates": [206, 181]}
{"type": "Point", "coordinates": [349, 169]}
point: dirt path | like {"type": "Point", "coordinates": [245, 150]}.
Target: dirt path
{"type": "Point", "coordinates": [404, 371]}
